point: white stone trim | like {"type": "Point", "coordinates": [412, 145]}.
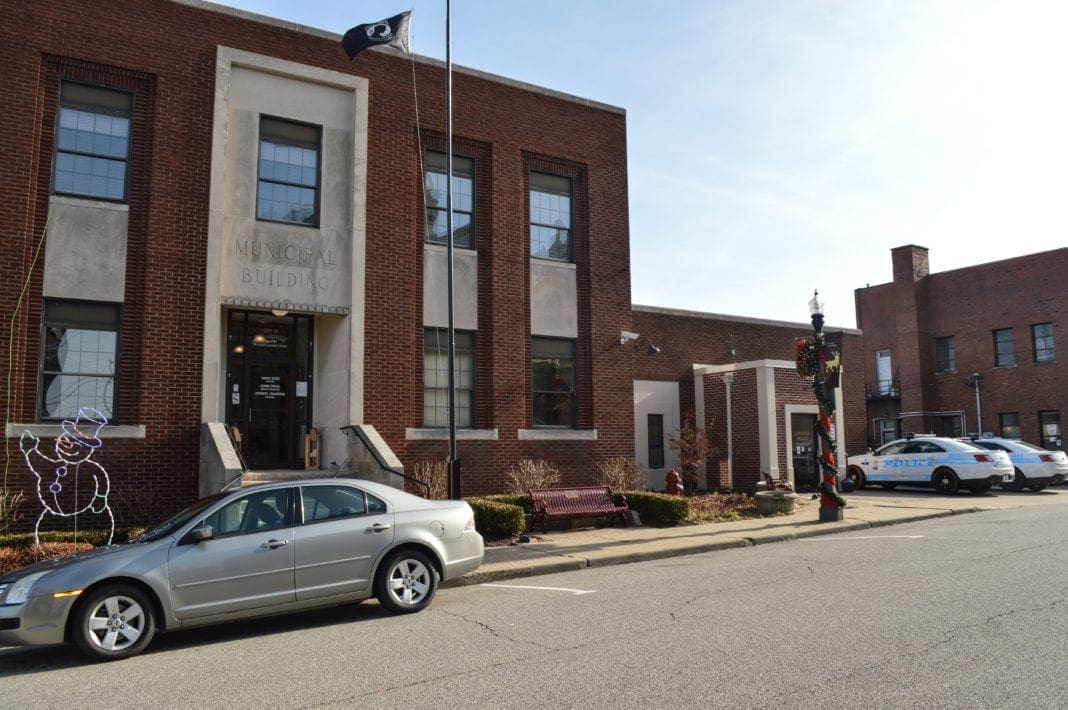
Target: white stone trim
{"type": "Point", "coordinates": [434, 434]}
{"type": "Point", "coordinates": [557, 434]}
{"type": "Point", "coordinates": [51, 431]}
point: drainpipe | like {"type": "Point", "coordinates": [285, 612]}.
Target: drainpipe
{"type": "Point", "coordinates": [728, 380]}
{"type": "Point", "coordinates": [978, 406]}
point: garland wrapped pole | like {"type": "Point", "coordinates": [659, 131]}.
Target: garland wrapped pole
{"type": "Point", "coordinates": [814, 360]}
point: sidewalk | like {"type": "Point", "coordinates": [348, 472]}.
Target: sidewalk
{"type": "Point", "coordinates": [565, 550]}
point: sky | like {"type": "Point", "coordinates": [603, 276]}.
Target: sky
{"type": "Point", "coordinates": [781, 146]}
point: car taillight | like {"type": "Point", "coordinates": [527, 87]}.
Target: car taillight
{"type": "Point", "coordinates": [470, 524]}
{"type": "Point", "coordinates": [1046, 457]}
{"type": "Point", "coordinates": [983, 458]}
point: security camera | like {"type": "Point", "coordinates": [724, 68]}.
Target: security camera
{"type": "Point", "coordinates": [625, 335]}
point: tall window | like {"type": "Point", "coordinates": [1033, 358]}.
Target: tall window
{"type": "Point", "coordinates": [1004, 350]}
{"type": "Point", "coordinates": [1049, 430]}
{"type": "Point", "coordinates": [1009, 425]}
{"type": "Point", "coordinates": [883, 373]}
{"type": "Point", "coordinates": [551, 225]}
{"type": "Point", "coordinates": [288, 189]}
{"type": "Point", "coordinates": [463, 200]}
{"type": "Point", "coordinates": [79, 360]}
{"type": "Point", "coordinates": [553, 368]}
{"type": "Point", "coordinates": [655, 428]}
{"type": "Point", "coordinates": [946, 356]}
{"type": "Point", "coordinates": [436, 378]}
{"type": "Point", "coordinates": [1042, 339]}
{"type": "Point", "coordinates": [951, 426]}
{"type": "Point", "coordinates": [92, 142]}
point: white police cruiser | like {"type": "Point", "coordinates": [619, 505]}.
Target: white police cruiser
{"type": "Point", "coordinates": [1035, 467]}
{"type": "Point", "coordinates": [947, 465]}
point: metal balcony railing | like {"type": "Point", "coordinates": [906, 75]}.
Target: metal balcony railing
{"type": "Point", "coordinates": [884, 389]}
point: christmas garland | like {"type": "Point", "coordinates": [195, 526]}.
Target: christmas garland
{"type": "Point", "coordinates": [810, 357]}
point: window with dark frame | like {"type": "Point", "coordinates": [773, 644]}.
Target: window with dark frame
{"type": "Point", "coordinates": [436, 378]}
{"type": "Point", "coordinates": [551, 222]}
{"type": "Point", "coordinates": [655, 427]}
{"type": "Point", "coordinates": [946, 358]}
{"type": "Point", "coordinates": [1042, 341]}
{"type": "Point", "coordinates": [1049, 431]}
{"type": "Point", "coordinates": [79, 359]}
{"type": "Point", "coordinates": [463, 199]}
{"type": "Point", "coordinates": [951, 427]}
{"type": "Point", "coordinates": [92, 150]}
{"type": "Point", "coordinates": [288, 186]}
{"type": "Point", "coordinates": [1009, 425]}
{"type": "Point", "coordinates": [1004, 349]}
{"type": "Point", "coordinates": [553, 388]}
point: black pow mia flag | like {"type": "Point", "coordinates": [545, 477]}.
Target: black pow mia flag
{"type": "Point", "coordinates": [391, 32]}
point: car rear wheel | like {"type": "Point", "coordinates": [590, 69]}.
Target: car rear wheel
{"type": "Point", "coordinates": [945, 481]}
{"type": "Point", "coordinates": [855, 475]}
{"type": "Point", "coordinates": [1018, 481]}
{"type": "Point", "coordinates": [115, 621]}
{"type": "Point", "coordinates": [406, 582]}
{"type": "Point", "coordinates": [1036, 487]}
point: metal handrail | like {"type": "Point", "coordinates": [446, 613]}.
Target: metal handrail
{"type": "Point", "coordinates": [382, 464]}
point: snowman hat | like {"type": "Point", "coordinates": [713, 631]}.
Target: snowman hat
{"type": "Point", "coordinates": [79, 432]}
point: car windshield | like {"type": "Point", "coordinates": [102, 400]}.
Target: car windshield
{"type": "Point", "coordinates": [164, 529]}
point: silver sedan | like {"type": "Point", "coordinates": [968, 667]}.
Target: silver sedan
{"type": "Point", "coordinates": [257, 551]}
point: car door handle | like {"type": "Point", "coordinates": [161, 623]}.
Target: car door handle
{"type": "Point", "coordinates": [272, 544]}
{"type": "Point", "coordinates": [378, 527]}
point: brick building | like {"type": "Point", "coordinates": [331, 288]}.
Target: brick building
{"type": "Point", "coordinates": [214, 223]}
{"type": "Point", "coordinates": [967, 350]}
{"type": "Point", "coordinates": [737, 376]}
{"type": "Point", "coordinates": [225, 237]}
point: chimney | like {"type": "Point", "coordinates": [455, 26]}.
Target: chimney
{"type": "Point", "coordinates": [910, 263]}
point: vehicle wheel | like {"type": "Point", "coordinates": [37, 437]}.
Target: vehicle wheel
{"type": "Point", "coordinates": [888, 486]}
{"type": "Point", "coordinates": [1036, 487]}
{"type": "Point", "coordinates": [982, 488]}
{"type": "Point", "coordinates": [945, 481]}
{"type": "Point", "coordinates": [1017, 484]}
{"type": "Point", "coordinates": [856, 475]}
{"type": "Point", "coordinates": [115, 621]}
{"type": "Point", "coordinates": [406, 582]}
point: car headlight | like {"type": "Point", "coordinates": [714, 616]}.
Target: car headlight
{"type": "Point", "coordinates": [20, 590]}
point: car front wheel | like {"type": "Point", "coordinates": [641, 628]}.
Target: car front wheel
{"type": "Point", "coordinates": [945, 481]}
{"type": "Point", "coordinates": [856, 475]}
{"type": "Point", "coordinates": [406, 582]}
{"type": "Point", "coordinates": [1036, 487]}
{"type": "Point", "coordinates": [115, 621]}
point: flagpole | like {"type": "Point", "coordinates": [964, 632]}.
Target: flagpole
{"type": "Point", "coordinates": [453, 463]}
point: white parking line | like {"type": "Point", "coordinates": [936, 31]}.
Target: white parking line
{"type": "Point", "coordinates": [548, 589]}
{"type": "Point", "coordinates": [862, 537]}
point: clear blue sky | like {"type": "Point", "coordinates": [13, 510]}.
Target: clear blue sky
{"type": "Point", "coordinates": [777, 146]}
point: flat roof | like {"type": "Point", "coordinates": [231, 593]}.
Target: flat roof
{"type": "Point", "coordinates": [316, 32]}
{"type": "Point", "coordinates": [736, 319]}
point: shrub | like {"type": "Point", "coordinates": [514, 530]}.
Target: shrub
{"type": "Point", "coordinates": [658, 508]}
{"type": "Point", "coordinates": [11, 558]}
{"type": "Point", "coordinates": [497, 521]}
{"type": "Point", "coordinates": [521, 500]}
{"type": "Point", "coordinates": [529, 473]}
{"type": "Point", "coordinates": [620, 473]}
{"type": "Point", "coordinates": [9, 508]}
{"type": "Point", "coordinates": [434, 474]}
{"type": "Point", "coordinates": [95, 538]}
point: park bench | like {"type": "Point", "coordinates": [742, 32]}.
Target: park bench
{"type": "Point", "coordinates": [570, 503]}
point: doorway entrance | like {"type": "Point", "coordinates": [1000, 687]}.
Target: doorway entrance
{"type": "Point", "coordinates": [804, 451]}
{"type": "Point", "coordinates": [269, 386]}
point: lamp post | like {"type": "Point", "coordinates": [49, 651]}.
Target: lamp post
{"type": "Point", "coordinates": [831, 503]}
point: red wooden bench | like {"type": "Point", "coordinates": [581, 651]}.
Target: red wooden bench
{"type": "Point", "coordinates": [569, 503]}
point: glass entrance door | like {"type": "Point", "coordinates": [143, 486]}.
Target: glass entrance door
{"type": "Point", "coordinates": [268, 386]}
{"type": "Point", "coordinates": [803, 445]}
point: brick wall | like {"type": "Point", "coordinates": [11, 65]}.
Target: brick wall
{"type": "Point", "coordinates": [905, 316]}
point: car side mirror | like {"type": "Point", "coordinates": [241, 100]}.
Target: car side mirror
{"type": "Point", "coordinates": [199, 534]}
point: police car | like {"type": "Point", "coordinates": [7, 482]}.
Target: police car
{"type": "Point", "coordinates": [1035, 467]}
{"type": "Point", "coordinates": [947, 465]}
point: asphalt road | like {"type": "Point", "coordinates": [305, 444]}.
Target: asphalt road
{"type": "Point", "coordinates": [965, 611]}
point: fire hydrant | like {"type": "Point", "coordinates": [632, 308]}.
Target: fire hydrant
{"type": "Point", "coordinates": [674, 483]}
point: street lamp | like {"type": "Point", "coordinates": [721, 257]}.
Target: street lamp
{"type": "Point", "coordinates": [831, 503]}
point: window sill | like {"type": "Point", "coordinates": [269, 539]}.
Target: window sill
{"type": "Point", "coordinates": [1004, 367]}
{"type": "Point", "coordinates": [100, 203]}
{"type": "Point", "coordinates": [1045, 362]}
{"type": "Point", "coordinates": [557, 434]}
{"type": "Point", "coordinates": [438, 246]}
{"type": "Point", "coordinates": [435, 434]}
{"type": "Point", "coordinates": [945, 372]}
{"type": "Point", "coordinates": [570, 265]}
{"type": "Point", "coordinates": [53, 429]}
